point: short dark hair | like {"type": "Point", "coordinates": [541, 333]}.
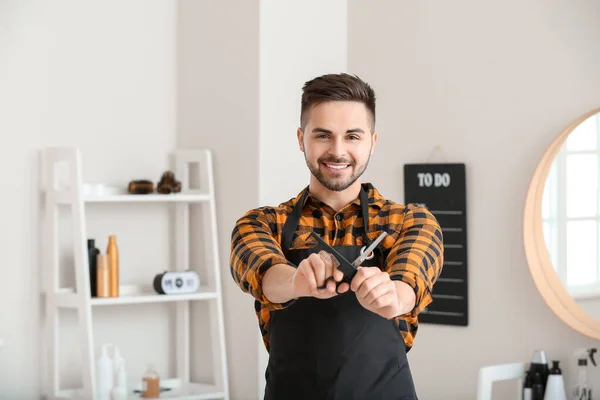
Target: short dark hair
{"type": "Point", "coordinates": [336, 87]}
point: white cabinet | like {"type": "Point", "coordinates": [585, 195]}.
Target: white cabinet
{"type": "Point", "coordinates": [71, 193]}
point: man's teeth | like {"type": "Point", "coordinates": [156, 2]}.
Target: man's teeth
{"type": "Point", "coordinates": [336, 166]}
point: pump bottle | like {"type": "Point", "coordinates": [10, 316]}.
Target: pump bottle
{"type": "Point", "coordinates": [555, 386]}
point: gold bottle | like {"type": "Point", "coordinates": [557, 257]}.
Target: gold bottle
{"type": "Point", "coordinates": [113, 264]}
{"type": "Point", "coordinates": [102, 276]}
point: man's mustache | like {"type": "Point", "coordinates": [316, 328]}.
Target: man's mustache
{"type": "Point", "coordinates": [335, 161]}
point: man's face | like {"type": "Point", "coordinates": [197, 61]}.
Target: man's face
{"type": "Point", "coordinates": [337, 143]}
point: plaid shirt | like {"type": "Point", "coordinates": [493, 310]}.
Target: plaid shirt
{"type": "Point", "coordinates": [413, 246]}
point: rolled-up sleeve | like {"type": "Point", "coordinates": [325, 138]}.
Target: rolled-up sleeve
{"type": "Point", "coordinates": [416, 257]}
{"type": "Point", "coordinates": [254, 249]}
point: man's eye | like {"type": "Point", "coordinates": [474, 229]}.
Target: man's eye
{"type": "Point", "coordinates": [354, 137]}
{"type": "Point", "coordinates": [322, 136]}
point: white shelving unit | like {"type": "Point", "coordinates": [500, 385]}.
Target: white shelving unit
{"type": "Point", "coordinates": [79, 297]}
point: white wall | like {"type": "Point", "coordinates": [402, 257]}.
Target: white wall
{"type": "Point", "coordinates": [294, 47]}
{"type": "Point", "coordinates": [291, 53]}
{"type": "Point", "coordinates": [218, 108]}
{"type": "Point", "coordinates": [101, 76]}
{"type": "Point", "coordinates": [492, 83]}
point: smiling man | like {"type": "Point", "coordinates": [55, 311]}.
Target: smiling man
{"type": "Point", "coordinates": [328, 338]}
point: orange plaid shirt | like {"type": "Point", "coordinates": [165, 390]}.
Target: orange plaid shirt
{"type": "Point", "coordinates": [413, 248]}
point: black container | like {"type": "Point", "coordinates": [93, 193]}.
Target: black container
{"type": "Point", "coordinates": [93, 264]}
{"type": "Point", "coordinates": [539, 365]}
{"type": "Point", "coordinates": [528, 386]}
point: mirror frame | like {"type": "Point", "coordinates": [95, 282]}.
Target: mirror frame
{"type": "Point", "coordinates": [545, 277]}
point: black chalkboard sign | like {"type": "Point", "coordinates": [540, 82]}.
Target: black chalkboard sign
{"type": "Point", "coordinates": [442, 189]}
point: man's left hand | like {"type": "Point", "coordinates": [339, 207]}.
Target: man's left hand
{"type": "Point", "coordinates": [376, 292]}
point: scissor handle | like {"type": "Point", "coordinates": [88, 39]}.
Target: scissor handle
{"type": "Point", "coordinates": [368, 256]}
{"type": "Point", "coordinates": [337, 284]}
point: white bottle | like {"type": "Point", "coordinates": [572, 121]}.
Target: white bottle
{"type": "Point", "coordinates": [119, 392]}
{"type": "Point", "coordinates": [118, 362]}
{"type": "Point", "coordinates": [555, 386]}
{"type": "Point", "coordinates": [104, 375]}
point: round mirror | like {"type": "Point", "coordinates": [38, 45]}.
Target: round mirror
{"type": "Point", "coordinates": [562, 225]}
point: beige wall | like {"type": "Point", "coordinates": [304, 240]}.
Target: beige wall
{"type": "Point", "coordinates": [492, 83]}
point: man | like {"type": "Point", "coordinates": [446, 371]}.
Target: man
{"type": "Point", "coordinates": [329, 339]}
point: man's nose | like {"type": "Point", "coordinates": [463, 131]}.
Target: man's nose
{"type": "Point", "coordinates": [337, 148]}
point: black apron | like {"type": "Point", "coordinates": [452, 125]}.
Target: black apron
{"type": "Point", "coordinates": [334, 349]}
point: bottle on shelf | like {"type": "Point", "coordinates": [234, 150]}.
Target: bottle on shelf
{"type": "Point", "coordinates": [92, 264]}
{"type": "Point", "coordinates": [113, 262]}
{"type": "Point", "coordinates": [103, 276]}
{"type": "Point", "coordinates": [537, 389]}
{"type": "Point", "coordinates": [118, 362]}
{"type": "Point", "coordinates": [119, 391]}
{"type": "Point", "coordinates": [555, 386]}
{"type": "Point", "coordinates": [528, 387]}
{"type": "Point", "coordinates": [104, 375]}
{"type": "Point", "coordinates": [539, 365]}
{"type": "Point", "coordinates": [150, 383]}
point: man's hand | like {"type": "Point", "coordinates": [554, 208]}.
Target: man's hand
{"type": "Point", "coordinates": [376, 292]}
{"type": "Point", "coordinates": [312, 273]}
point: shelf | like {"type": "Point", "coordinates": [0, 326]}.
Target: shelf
{"type": "Point", "coordinates": [62, 185]}
{"type": "Point", "coordinates": [188, 197]}
{"type": "Point", "coordinates": [146, 295]}
{"type": "Point", "coordinates": [180, 391]}
{"type": "Point", "coordinates": [134, 294]}
{"type": "Point", "coordinates": [185, 391]}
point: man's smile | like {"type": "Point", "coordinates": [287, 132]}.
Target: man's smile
{"type": "Point", "coordinates": [336, 167]}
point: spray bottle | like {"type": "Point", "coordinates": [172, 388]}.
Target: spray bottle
{"type": "Point", "coordinates": [582, 390]}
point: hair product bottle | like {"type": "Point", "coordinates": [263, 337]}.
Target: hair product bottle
{"type": "Point", "coordinates": [104, 375]}
{"type": "Point", "coordinates": [102, 276]}
{"type": "Point", "coordinates": [555, 387]}
{"type": "Point", "coordinates": [113, 263]}
{"type": "Point", "coordinates": [537, 389]}
{"type": "Point", "coordinates": [92, 264]}
{"type": "Point", "coordinates": [539, 365]}
{"type": "Point", "coordinates": [528, 387]}
{"type": "Point", "coordinates": [150, 383]}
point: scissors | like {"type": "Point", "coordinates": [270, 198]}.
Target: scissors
{"type": "Point", "coordinates": [349, 269]}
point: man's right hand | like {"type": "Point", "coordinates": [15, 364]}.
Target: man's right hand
{"type": "Point", "coordinates": [312, 273]}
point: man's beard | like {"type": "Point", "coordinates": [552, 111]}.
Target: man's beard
{"type": "Point", "coordinates": [336, 184]}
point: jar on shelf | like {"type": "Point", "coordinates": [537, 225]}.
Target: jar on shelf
{"type": "Point", "coordinates": [151, 383]}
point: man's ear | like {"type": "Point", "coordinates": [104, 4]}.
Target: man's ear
{"type": "Point", "coordinates": [374, 139]}
{"type": "Point", "coordinates": [300, 135]}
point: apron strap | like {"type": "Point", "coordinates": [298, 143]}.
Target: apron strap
{"type": "Point", "coordinates": [364, 207]}
{"type": "Point", "coordinates": [289, 228]}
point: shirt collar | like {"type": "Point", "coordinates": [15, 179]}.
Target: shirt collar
{"type": "Point", "coordinates": [375, 198]}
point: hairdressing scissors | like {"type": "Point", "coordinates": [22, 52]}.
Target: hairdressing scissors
{"type": "Point", "coordinates": [349, 269]}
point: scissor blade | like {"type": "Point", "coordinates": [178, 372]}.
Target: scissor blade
{"type": "Point", "coordinates": [360, 259]}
